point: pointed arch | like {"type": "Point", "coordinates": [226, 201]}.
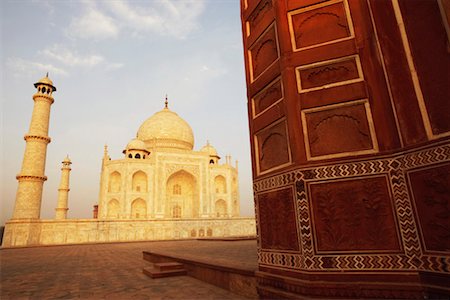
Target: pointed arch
{"type": "Point", "coordinates": [139, 182]}
{"type": "Point", "coordinates": [182, 191]}
{"type": "Point", "coordinates": [113, 209]}
{"type": "Point", "coordinates": [220, 184]}
{"type": "Point", "coordinates": [138, 209]}
{"type": "Point", "coordinates": [220, 208]}
{"type": "Point", "coordinates": [115, 181]}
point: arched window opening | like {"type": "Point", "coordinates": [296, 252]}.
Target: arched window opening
{"type": "Point", "coordinates": [137, 155]}
{"type": "Point", "coordinates": [201, 232]}
{"type": "Point", "coordinates": [211, 162]}
{"type": "Point", "coordinates": [139, 182]}
{"type": "Point", "coordinates": [114, 182]}
{"type": "Point", "coordinates": [39, 89]}
{"type": "Point", "coordinates": [43, 90]}
{"type": "Point", "coordinates": [143, 156]}
{"type": "Point", "coordinates": [113, 208]}
{"type": "Point", "coordinates": [138, 209]}
{"type": "Point", "coordinates": [209, 232]}
{"type": "Point", "coordinates": [176, 211]}
{"type": "Point", "coordinates": [177, 189]}
{"type": "Point", "coordinates": [130, 156]}
{"type": "Point", "coordinates": [220, 184]}
{"type": "Point", "coordinates": [193, 233]}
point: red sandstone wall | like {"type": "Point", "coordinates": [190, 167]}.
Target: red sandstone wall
{"type": "Point", "coordinates": [350, 148]}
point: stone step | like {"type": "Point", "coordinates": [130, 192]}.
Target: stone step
{"type": "Point", "coordinates": [168, 266]}
{"type": "Point", "coordinates": [156, 273]}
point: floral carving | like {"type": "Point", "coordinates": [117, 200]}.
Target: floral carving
{"type": "Point", "coordinates": [354, 214]}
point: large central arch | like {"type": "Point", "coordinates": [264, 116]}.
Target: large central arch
{"type": "Point", "coordinates": [182, 193]}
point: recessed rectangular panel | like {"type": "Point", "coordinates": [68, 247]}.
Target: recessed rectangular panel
{"type": "Point", "coordinates": [267, 97]}
{"type": "Point", "coordinates": [263, 53]}
{"type": "Point", "coordinates": [354, 215]}
{"type": "Point", "coordinates": [258, 14]}
{"type": "Point", "coordinates": [329, 73]}
{"type": "Point", "coordinates": [272, 147]}
{"type": "Point", "coordinates": [339, 130]}
{"type": "Point", "coordinates": [277, 220]}
{"type": "Point", "coordinates": [319, 24]}
{"type": "Point", "coordinates": [431, 193]}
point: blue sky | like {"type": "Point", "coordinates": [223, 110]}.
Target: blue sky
{"type": "Point", "coordinates": [112, 63]}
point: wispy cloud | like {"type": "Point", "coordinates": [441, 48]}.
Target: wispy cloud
{"type": "Point", "coordinates": [71, 58]}
{"type": "Point", "coordinates": [93, 24]}
{"type": "Point", "coordinates": [21, 67]}
{"type": "Point", "coordinates": [165, 17]}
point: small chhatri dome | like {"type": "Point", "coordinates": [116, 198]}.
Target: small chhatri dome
{"type": "Point", "coordinates": [136, 144]}
{"type": "Point", "coordinates": [165, 129]}
{"type": "Point", "coordinates": [67, 160]}
{"type": "Point", "coordinates": [45, 80]}
{"type": "Point", "coordinates": [208, 148]}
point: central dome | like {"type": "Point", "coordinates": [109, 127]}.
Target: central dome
{"type": "Point", "coordinates": [165, 129]}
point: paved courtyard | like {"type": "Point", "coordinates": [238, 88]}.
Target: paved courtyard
{"type": "Point", "coordinates": [113, 271]}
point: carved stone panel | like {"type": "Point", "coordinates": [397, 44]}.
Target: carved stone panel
{"type": "Point", "coordinates": [268, 96]}
{"type": "Point", "coordinates": [431, 193]}
{"type": "Point", "coordinates": [272, 147]}
{"type": "Point", "coordinates": [264, 7]}
{"type": "Point", "coordinates": [339, 130]}
{"type": "Point", "coordinates": [354, 215]}
{"type": "Point", "coordinates": [277, 221]}
{"type": "Point", "coordinates": [319, 24]}
{"type": "Point", "coordinates": [263, 53]}
{"type": "Point", "coordinates": [329, 73]}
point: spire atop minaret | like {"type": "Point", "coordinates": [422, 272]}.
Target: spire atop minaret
{"type": "Point", "coordinates": [46, 75]}
{"type": "Point", "coordinates": [166, 103]}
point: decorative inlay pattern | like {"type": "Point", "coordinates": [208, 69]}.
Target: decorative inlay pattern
{"type": "Point", "coordinates": [410, 255]}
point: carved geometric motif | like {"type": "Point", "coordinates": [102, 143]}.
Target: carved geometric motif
{"type": "Point", "coordinates": [354, 215]}
{"type": "Point", "coordinates": [268, 96]}
{"type": "Point", "coordinates": [431, 192]}
{"type": "Point", "coordinates": [339, 130]}
{"type": "Point", "coordinates": [395, 167]}
{"type": "Point", "coordinates": [329, 73]}
{"type": "Point", "coordinates": [263, 53]}
{"type": "Point", "coordinates": [272, 147]}
{"type": "Point", "coordinates": [277, 221]}
{"type": "Point", "coordinates": [319, 24]}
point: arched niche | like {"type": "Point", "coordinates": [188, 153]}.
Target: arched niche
{"type": "Point", "coordinates": [220, 208]}
{"type": "Point", "coordinates": [115, 181]}
{"type": "Point", "coordinates": [182, 191]}
{"type": "Point", "coordinates": [139, 182]}
{"type": "Point", "coordinates": [113, 209]}
{"type": "Point", "coordinates": [220, 184]}
{"type": "Point", "coordinates": [138, 209]}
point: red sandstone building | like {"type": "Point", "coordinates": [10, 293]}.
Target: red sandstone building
{"type": "Point", "coordinates": [349, 110]}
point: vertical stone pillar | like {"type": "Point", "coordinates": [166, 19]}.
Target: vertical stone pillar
{"type": "Point", "coordinates": [63, 191]}
{"type": "Point", "coordinates": [31, 177]}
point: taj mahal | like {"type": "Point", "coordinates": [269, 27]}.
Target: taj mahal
{"type": "Point", "coordinates": [161, 176]}
{"type": "Point", "coordinates": [160, 189]}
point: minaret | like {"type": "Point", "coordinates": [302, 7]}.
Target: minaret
{"type": "Point", "coordinates": [63, 191]}
{"type": "Point", "coordinates": [31, 177]}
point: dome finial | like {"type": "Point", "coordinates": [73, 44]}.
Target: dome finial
{"type": "Point", "coordinates": [166, 103]}
{"type": "Point", "coordinates": [46, 75]}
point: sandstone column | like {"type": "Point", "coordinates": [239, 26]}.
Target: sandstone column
{"type": "Point", "coordinates": [31, 177]}
{"type": "Point", "coordinates": [63, 191]}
